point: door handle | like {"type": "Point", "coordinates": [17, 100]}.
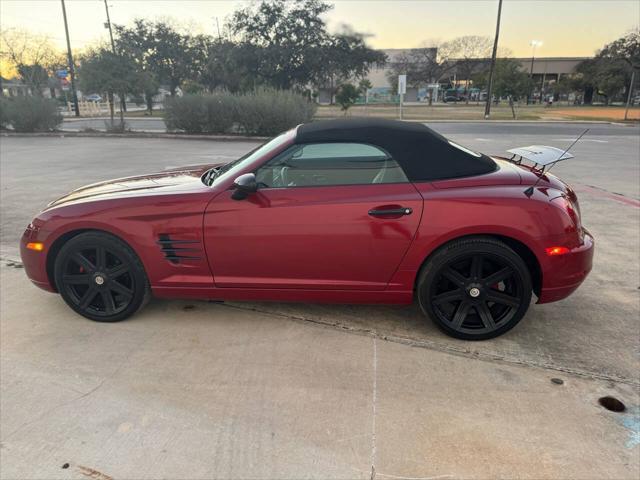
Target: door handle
{"type": "Point", "coordinates": [390, 211]}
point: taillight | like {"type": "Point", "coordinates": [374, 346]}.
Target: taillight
{"type": "Point", "coordinates": [555, 251]}
{"type": "Point", "coordinates": [570, 208]}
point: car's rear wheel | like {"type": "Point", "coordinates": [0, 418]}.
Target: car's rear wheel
{"type": "Point", "coordinates": [475, 289]}
{"type": "Point", "coordinates": [101, 277]}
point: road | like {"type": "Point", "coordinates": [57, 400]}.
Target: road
{"type": "Point", "coordinates": [148, 124]}
{"type": "Point", "coordinates": [236, 390]}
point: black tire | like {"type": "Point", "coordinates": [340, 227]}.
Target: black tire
{"type": "Point", "coordinates": [100, 277]}
{"type": "Point", "coordinates": [475, 288]}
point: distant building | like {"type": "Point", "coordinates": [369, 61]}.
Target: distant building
{"type": "Point", "coordinates": [546, 70]}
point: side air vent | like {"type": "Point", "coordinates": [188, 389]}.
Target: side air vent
{"type": "Point", "coordinates": [176, 250]}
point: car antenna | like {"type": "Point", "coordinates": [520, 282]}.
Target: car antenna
{"type": "Point", "coordinates": [529, 191]}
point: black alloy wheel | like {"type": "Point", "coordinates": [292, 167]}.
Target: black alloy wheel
{"type": "Point", "coordinates": [475, 289]}
{"type": "Point", "coordinates": [100, 277]}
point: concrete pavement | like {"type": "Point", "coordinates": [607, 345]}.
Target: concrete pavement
{"type": "Point", "coordinates": [211, 391]}
{"type": "Point", "coordinates": [200, 390]}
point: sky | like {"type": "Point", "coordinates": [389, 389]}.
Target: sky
{"type": "Point", "coordinates": [565, 27]}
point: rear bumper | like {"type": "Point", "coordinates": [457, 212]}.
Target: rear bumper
{"type": "Point", "coordinates": [563, 274]}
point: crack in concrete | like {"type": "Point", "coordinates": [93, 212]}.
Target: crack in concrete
{"type": "Point", "coordinates": [450, 349]}
{"type": "Point", "coordinates": [56, 407]}
{"type": "Point", "coordinates": [84, 395]}
{"type": "Point", "coordinates": [388, 475]}
{"type": "Point", "coordinates": [93, 473]}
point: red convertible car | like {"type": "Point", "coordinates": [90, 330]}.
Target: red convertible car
{"type": "Point", "coordinates": [347, 211]}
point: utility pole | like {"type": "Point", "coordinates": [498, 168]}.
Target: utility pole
{"type": "Point", "coordinates": [70, 60]}
{"type": "Point", "coordinates": [113, 45]}
{"type": "Point", "coordinates": [534, 44]}
{"type": "Point", "coordinates": [633, 78]}
{"type": "Point", "coordinates": [123, 105]}
{"type": "Point", "coordinates": [487, 107]}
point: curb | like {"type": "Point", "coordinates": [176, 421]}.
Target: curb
{"type": "Point", "coordinates": [117, 118]}
{"type": "Point", "coordinates": [424, 120]}
{"type": "Point", "coordinates": [184, 136]}
{"type": "Point", "coordinates": [598, 122]}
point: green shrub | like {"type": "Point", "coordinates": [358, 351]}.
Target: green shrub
{"type": "Point", "coordinates": [221, 112]}
{"type": "Point", "coordinates": [187, 113]}
{"type": "Point", "coordinates": [264, 112]}
{"type": "Point", "coordinates": [201, 113]}
{"type": "Point", "coordinates": [268, 112]}
{"type": "Point", "coordinates": [31, 114]}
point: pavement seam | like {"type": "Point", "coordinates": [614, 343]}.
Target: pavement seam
{"type": "Point", "coordinates": [450, 349]}
{"type": "Point", "coordinates": [374, 401]}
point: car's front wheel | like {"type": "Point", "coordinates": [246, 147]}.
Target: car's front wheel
{"type": "Point", "coordinates": [100, 277]}
{"type": "Point", "coordinates": [475, 289]}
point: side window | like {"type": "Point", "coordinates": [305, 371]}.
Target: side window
{"type": "Point", "coordinates": [325, 164]}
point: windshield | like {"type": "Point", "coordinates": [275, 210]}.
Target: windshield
{"type": "Point", "coordinates": [216, 174]}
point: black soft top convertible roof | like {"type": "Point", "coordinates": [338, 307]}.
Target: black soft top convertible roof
{"type": "Point", "coordinates": [423, 154]}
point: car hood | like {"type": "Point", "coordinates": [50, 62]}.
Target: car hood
{"type": "Point", "coordinates": [167, 180]}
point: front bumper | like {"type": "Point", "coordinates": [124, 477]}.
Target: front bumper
{"type": "Point", "coordinates": [35, 263]}
{"type": "Point", "coordinates": [563, 274]}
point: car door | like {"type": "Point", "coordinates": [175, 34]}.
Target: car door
{"type": "Point", "coordinates": [325, 216]}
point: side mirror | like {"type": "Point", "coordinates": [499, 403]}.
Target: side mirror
{"type": "Point", "coordinates": [244, 186]}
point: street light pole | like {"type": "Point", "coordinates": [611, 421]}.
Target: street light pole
{"type": "Point", "coordinates": [487, 107]}
{"type": "Point", "coordinates": [70, 61]}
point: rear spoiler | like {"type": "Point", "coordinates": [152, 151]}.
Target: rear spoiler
{"type": "Point", "coordinates": [540, 155]}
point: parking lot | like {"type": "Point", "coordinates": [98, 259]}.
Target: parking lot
{"type": "Point", "coordinates": [258, 390]}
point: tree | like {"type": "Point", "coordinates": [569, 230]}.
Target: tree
{"type": "Point", "coordinates": [508, 81]}
{"type": "Point", "coordinates": [347, 95]}
{"type": "Point", "coordinates": [364, 85]}
{"type": "Point", "coordinates": [627, 50]}
{"type": "Point", "coordinates": [469, 54]}
{"type": "Point", "coordinates": [610, 78]}
{"type": "Point", "coordinates": [604, 76]}
{"type": "Point", "coordinates": [160, 49]}
{"type": "Point", "coordinates": [290, 46]}
{"type": "Point", "coordinates": [345, 57]}
{"type": "Point", "coordinates": [611, 69]}
{"type": "Point", "coordinates": [137, 43]}
{"type": "Point", "coordinates": [33, 57]}
{"type": "Point", "coordinates": [290, 36]}
{"type": "Point", "coordinates": [104, 71]}
{"type": "Point", "coordinates": [227, 65]}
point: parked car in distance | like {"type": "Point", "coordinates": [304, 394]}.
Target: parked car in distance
{"type": "Point", "coordinates": [453, 98]}
{"type": "Point", "coordinates": [94, 97]}
{"type": "Point", "coordinates": [345, 211]}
